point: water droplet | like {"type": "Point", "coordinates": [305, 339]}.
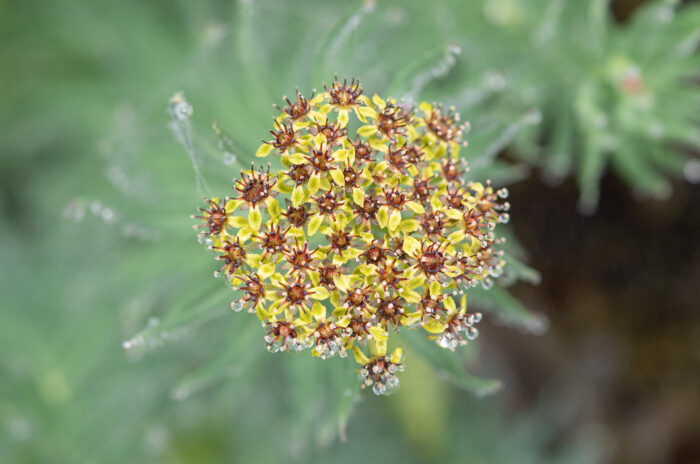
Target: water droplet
{"type": "Point", "coordinates": [229, 158]}
{"type": "Point", "coordinates": [20, 428]}
{"type": "Point", "coordinates": [237, 306]}
{"type": "Point", "coordinates": [74, 211]}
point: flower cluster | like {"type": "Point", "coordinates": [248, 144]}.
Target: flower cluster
{"type": "Point", "coordinates": [358, 235]}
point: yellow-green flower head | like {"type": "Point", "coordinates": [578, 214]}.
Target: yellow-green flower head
{"type": "Point", "coordinates": [369, 228]}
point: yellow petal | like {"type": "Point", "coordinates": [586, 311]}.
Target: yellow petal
{"type": "Point", "coordinates": [379, 145]}
{"type": "Point", "coordinates": [454, 150]}
{"type": "Point", "coordinates": [297, 232]}
{"type": "Point", "coordinates": [319, 140]}
{"type": "Point", "coordinates": [335, 298]}
{"type": "Point", "coordinates": [411, 296]}
{"type": "Point", "coordinates": [377, 348]}
{"type": "Point", "coordinates": [434, 326]}
{"type": "Point", "coordinates": [283, 188]}
{"type": "Point", "coordinates": [232, 205]}
{"type": "Point", "coordinates": [452, 271]}
{"type": "Point", "coordinates": [378, 333]}
{"type": "Point", "coordinates": [360, 357]}
{"type": "Point", "coordinates": [412, 319]}
{"type": "Point", "coordinates": [456, 236]}
{"type": "Point", "coordinates": [342, 154]}
{"type": "Point", "coordinates": [453, 214]}
{"type": "Point", "coordinates": [319, 293]}
{"type": "Point", "coordinates": [340, 282]}
{"type": "Point", "coordinates": [435, 289]}
{"type": "Point", "coordinates": [358, 196]}
{"type": "Point", "coordinates": [253, 261]}
{"type": "Point", "coordinates": [262, 314]}
{"type": "Point", "coordinates": [394, 219]}
{"type": "Point", "coordinates": [244, 233]}
{"type": "Point", "coordinates": [383, 216]}
{"type": "Point", "coordinates": [397, 356]}
{"type": "Point", "coordinates": [343, 117]}
{"type": "Point", "coordinates": [318, 98]}
{"type": "Point", "coordinates": [366, 269]}
{"type": "Point", "coordinates": [365, 100]}
{"type": "Point", "coordinates": [378, 101]}
{"type": "Point", "coordinates": [343, 320]}
{"type": "Point", "coordinates": [264, 150]}
{"type": "Point", "coordinates": [314, 276]}
{"type": "Point", "coordinates": [366, 131]}
{"type": "Point", "coordinates": [314, 184]}
{"type": "Point", "coordinates": [298, 196]}
{"type": "Point", "coordinates": [440, 151]}
{"type": "Point", "coordinates": [273, 207]}
{"type": "Point", "coordinates": [237, 221]}
{"type": "Point", "coordinates": [415, 207]}
{"type": "Point", "coordinates": [408, 225]}
{"type": "Point", "coordinates": [366, 112]}
{"type": "Point", "coordinates": [380, 167]}
{"type": "Point", "coordinates": [352, 253]}
{"type": "Point", "coordinates": [255, 219]}
{"type": "Point", "coordinates": [338, 313]}
{"type": "Point", "coordinates": [341, 221]}
{"type": "Point", "coordinates": [296, 158]}
{"type": "Point", "coordinates": [339, 259]}
{"type": "Point", "coordinates": [318, 311]}
{"type": "Point", "coordinates": [416, 282]}
{"type": "Point", "coordinates": [337, 176]}
{"type": "Point", "coordinates": [450, 304]}
{"type": "Point", "coordinates": [305, 319]}
{"type": "Point", "coordinates": [410, 245]}
{"type": "Point", "coordinates": [313, 224]}
{"type": "Point", "coordinates": [266, 270]}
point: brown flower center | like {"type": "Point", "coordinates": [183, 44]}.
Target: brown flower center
{"type": "Point", "coordinates": [297, 216]}
{"type": "Point", "coordinates": [432, 261]}
{"type": "Point", "coordinates": [340, 240]}
{"type": "Point", "coordinates": [300, 173]}
{"type": "Point", "coordinates": [296, 294]}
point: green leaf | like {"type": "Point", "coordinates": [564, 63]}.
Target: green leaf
{"type": "Point", "coordinates": [634, 169]}
{"type": "Point", "coordinates": [521, 271]}
{"type": "Point", "coordinates": [506, 308]}
{"type": "Point", "coordinates": [448, 365]}
{"type": "Point", "coordinates": [233, 361]}
{"type": "Point", "coordinates": [591, 169]}
{"type": "Point", "coordinates": [212, 303]}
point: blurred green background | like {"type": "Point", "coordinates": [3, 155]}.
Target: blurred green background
{"type": "Point", "coordinates": [579, 107]}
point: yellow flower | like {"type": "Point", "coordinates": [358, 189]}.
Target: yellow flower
{"type": "Point", "coordinates": [378, 231]}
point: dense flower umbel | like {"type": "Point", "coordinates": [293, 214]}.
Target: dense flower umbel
{"type": "Point", "coordinates": [362, 233]}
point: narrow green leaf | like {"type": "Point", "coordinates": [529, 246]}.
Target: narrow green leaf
{"type": "Point", "coordinates": [448, 365]}
{"type": "Point", "coordinates": [506, 308]}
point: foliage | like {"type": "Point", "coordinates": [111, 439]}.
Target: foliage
{"type": "Point", "coordinates": [624, 96]}
{"type": "Point", "coordinates": [98, 253]}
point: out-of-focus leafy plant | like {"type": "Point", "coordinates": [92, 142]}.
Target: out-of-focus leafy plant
{"type": "Point", "coordinates": [126, 189]}
{"type": "Point", "coordinates": [130, 274]}
{"type": "Point", "coordinates": [619, 95]}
